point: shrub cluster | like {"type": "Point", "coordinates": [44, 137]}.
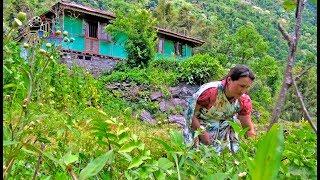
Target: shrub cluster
{"type": "Point", "coordinates": [200, 69]}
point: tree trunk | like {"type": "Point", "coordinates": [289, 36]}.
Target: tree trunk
{"type": "Point", "coordinates": [288, 81]}
{"type": "Point", "coordinates": [304, 109]}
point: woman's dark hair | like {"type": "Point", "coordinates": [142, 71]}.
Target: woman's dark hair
{"type": "Point", "coordinates": [240, 71]}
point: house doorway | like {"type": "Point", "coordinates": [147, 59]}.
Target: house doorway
{"type": "Point", "coordinates": [91, 39]}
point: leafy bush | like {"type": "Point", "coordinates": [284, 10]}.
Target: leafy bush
{"type": "Point", "coordinates": [166, 64]}
{"type": "Point", "coordinates": [249, 44]}
{"type": "Point", "coordinates": [274, 74]}
{"type": "Point", "coordinates": [200, 69]}
{"type": "Point", "coordinates": [299, 156]}
{"type": "Point", "coordinates": [121, 66]}
{"type": "Point", "coordinates": [147, 76]}
{"type": "Point", "coordinates": [137, 25]}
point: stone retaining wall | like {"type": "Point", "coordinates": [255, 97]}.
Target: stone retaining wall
{"type": "Point", "coordinates": [95, 65]}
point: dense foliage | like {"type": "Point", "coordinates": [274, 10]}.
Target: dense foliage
{"type": "Point", "coordinates": [200, 69]}
{"type": "Point", "coordinates": [137, 25]}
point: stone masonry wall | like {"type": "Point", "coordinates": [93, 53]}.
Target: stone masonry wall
{"type": "Point", "coordinates": [96, 65]}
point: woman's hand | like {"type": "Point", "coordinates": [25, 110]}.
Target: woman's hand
{"type": "Point", "coordinates": [251, 133]}
{"type": "Point", "coordinates": [204, 138]}
{"type": "Point", "coordinates": [247, 122]}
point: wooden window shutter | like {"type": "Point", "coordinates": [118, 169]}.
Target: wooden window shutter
{"type": "Point", "coordinates": [160, 45]}
{"type": "Point", "coordinates": [98, 30]}
{"type": "Point", "coordinates": [178, 48]}
{"type": "Point", "coordinates": [85, 29]}
{"type": "Point", "coordinates": [103, 34]}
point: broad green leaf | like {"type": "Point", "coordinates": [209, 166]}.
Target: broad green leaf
{"type": "Point", "coordinates": [122, 131]}
{"type": "Point", "coordinates": [95, 166]}
{"type": "Point", "coordinates": [8, 143]}
{"type": "Point", "coordinates": [6, 133]}
{"type": "Point", "coordinates": [164, 144]}
{"type": "Point", "coordinates": [110, 136]}
{"type": "Point", "coordinates": [269, 152]}
{"type": "Point", "coordinates": [160, 175]}
{"type": "Point", "coordinates": [44, 140]}
{"type": "Point", "coordinates": [134, 137]}
{"type": "Point", "coordinates": [55, 160]}
{"type": "Point", "coordinates": [177, 138]}
{"type": "Point", "coordinates": [69, 158]}
{"type": "Point", "coordinates": [136, 161]}
{"type": "Point", "coordinates": [30, 152]}
{"type": "Point", "coordinates": [165, 163]}
{"type": "Point", "coordinates": [123, 138]}
{"type": "Point", "coordinates": [128, 147]}
{"type": "Point", "coordinates": [106, 175]}
{"type": "Point", "coordinates": [236, 127]}
{"type": "Point", "coordinates": [146, 153]}
{"type": "Point", "coordinates": [140, 145]}
{"type": "Point", "coordinates": [289, 5]}
{"type": "Point", "coordinates": [127, 156]}
{"type": "Point", "coordinates": [127, 175]}
{"type": "Point", "coordinates": [47, 177]}
{"type": "Point", "coordinates": [61, 175]}
{"type": "Point", "coordinates": [182, 161]}
{"type": "Point", "coordinates": [176, 163]}
{"type": "Point", "coordinates": [9, 85]}
{"type": "Point", "coordinates": [216, 176]}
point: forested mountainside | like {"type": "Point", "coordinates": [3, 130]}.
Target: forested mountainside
{"type": "Point", "coordinates": [64, 123]}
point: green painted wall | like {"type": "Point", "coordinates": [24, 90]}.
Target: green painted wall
{"type": "Point", "coordinates": [114, 49]}
{"type": "Point", "coordinates": [74, 28]}
{"type": "Point", "coordinates": [187, 51]}
{"type": "Point", "coordinates": [168, 48]}
{"type": "Point", "coordinates": [169, 51]}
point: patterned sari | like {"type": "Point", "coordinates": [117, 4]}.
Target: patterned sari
{"type": "Point", "coordinates": [215, 120]}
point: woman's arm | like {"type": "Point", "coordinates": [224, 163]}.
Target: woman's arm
{"type": "Point", "coordinates": [195, 124]}
{"type": "Point", "coordinates": [246, 121]}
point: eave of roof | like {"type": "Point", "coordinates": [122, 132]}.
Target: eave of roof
{"type": "Point", "coordinates": [110, 16]}
{"type": "Point", "coordinates": [87, 10]}
{"type": "Point", "coordinates": [180, 36]}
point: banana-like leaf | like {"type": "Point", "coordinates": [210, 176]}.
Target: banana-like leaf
{"type": "Point", "coordinates": [267, 160]}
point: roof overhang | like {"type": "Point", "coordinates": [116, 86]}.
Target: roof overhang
{"type": "Point", "coordinates": [110, 16]}
{"type": "Point", "coordinates": [87, 10]}
{"type": "Point", "coordinates": [194, 41]}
